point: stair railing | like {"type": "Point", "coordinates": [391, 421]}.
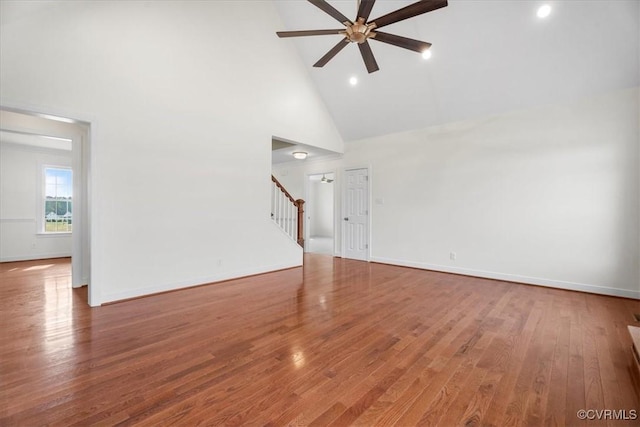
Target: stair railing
{"type": "Point", "coordinates": [287, 212]}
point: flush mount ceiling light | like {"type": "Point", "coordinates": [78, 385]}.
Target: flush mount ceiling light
{"type": "Point", "coordinates": [300, 155]}
{"type": "Point", "coordinates": [543, 11]}
{"type": "Point", "coordinates": [362, 29]}
{"type": "Point", "coordinates": [353, 81]}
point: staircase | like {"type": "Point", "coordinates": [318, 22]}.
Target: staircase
{"type": "Point", "coordinates": [287, 212]}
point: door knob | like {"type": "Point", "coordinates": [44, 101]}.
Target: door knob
{"type": "Point", "coordinates": [346, 218]}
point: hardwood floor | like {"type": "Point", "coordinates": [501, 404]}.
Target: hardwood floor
{"type": "Point", "coordinates": [339, 342]}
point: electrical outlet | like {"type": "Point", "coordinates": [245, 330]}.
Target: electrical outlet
{"type": "Point", "coordinates": [452, 256]}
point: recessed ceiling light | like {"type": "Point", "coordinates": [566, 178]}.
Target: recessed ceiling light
{"type": "Point", "coordinates": [544, 11]}
{"type": "Point", "coordinates": [353, 81]}
{"type": "Point", "coordinates": [426, 54]}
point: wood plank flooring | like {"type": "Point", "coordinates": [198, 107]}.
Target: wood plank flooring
{"type": "Point", "coordinates": [335, 343]}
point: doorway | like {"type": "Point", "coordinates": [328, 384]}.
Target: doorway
{"type": "Point", "coordinates": [319, 213]}
{"type": "Point", "coordinates": [28, 130]}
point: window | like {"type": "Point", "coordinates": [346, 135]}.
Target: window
{"type": "Point", "coordinates": [58, 200]}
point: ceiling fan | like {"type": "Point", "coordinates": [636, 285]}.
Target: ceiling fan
{"type": "Point", "coordinates": [325, 180]}
{"type": "Point", "coordinates": [364, 29]}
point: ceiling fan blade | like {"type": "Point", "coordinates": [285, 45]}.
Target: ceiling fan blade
{"type": "Point", "coordinates": [410, 11]}
{"type": "Point", "coordinates": [333, 52]}
{"type": "Point", "coordinates": [308, 33]}
{"type": "Point", "coordinates": [407, 43]}
{"type": "Point", "coordinates": [327, 8]}
{"type": "Point", "coordinates": [365, 9]}
{"type": "Point", "coordinates": [367, 56]}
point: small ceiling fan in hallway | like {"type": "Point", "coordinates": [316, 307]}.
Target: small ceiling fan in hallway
{"type": "Point", "coordinates": [325, 180]}
{"type": "Point", "coordinates": [364, 29]}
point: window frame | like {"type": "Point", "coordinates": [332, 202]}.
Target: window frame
{"type": "Point", "coordinates": [42, 201]}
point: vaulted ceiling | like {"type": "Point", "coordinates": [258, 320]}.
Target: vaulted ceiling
{"type": "Point", "coordinates": [488, 57]}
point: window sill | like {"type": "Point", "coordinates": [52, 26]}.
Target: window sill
{"type": "Point", "coordinates": [55, 234]}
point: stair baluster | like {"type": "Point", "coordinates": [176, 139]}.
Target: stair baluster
{"type": "Point", "coordinates": [287, 212]}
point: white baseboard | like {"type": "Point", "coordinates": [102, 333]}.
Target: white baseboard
{"type": "Point", "coordinates": [150, 290]}
{"type": "Point", "coordinates": [34, 257]}
{"type": "Point", "coordinates": [550, 283]}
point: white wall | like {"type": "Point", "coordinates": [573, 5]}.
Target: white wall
{"type": "Point", "coordinates": [183, 100]}
{"type": "Point", "coordinates": [548, 196]}
{"type": "Point", "coordinates": [21, 175]}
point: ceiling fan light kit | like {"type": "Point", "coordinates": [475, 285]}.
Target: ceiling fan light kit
{"type": "Point", "coordinates": [363, 29]}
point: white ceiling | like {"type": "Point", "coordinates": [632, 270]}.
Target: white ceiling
{"type": "Point", "coordinates": [318, 177]}
{"type": "Point", "coordinates": [282, 152]}
{"type": "Point", "coordinates": [489, 57]}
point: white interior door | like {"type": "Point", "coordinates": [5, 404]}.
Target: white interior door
{"type": "Point", "coordinates": [355, 221]}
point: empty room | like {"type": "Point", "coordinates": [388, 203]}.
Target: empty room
{"type": "Point", "coordinates": [340, 212]}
